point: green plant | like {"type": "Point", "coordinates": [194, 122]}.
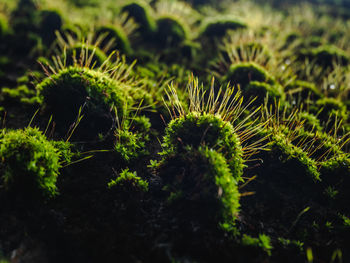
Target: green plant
{"type": "Point", "coordinates": [195, 129]}
{"type": "Point", "coordinates": [128, 181]}
{"type": "Point", "coordinates": [50, 21]}
{"type": "Point", "coordinates": [30, 163]}
{"type": "Point", "coordinates": [76, 87]}
{"type": "Point", "coordinates": [3, 26]}
{"type": "Point", "coordinates": [299, 89]}
{"type": "Point", "coordinates": [204, 181]}
{"type": "Point", "coordinates": [243, 73]}
{"type": "Point", "coordinates": [262, 241]}
{"type": "Point", "coordinates": [218, 26]}
{"type": "Point", "coordinates": [96, 55]}
{"type": "Point", "coordinates": [171, 30]}
{"type": "Point", "coordinates": [326, 55]}
{"type": "Point", "coordinates": [116, 36]}
{"type": "Point", "coordinates": [142, 13]}
{"type": "Point", "coordinates": [261, 90]}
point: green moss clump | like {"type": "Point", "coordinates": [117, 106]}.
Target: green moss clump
{"type": "Point", "coordinates": [30, 163]}
{"type": "Point", "coordinates": [311, 122]}
{"type": "Point", "coordinates": [326, 55]}
{"type": "Point", "coordinates": [328, 109]}
{"type": "Point", "coordinates": [200, 180]}
{"type": "Point", "coordinates": [291, 159]}
{"type": "Point", "coordinates": [128, 182]}
{"type": "Point", "coordinates": [131, 144]}
{"type": "Point", "coordinates": [218, 26]}
{"type": "Point", "coordinates": [299, 89]}
{"type": "Point", "coordinates": [51, 20]}
{"type": "Point", "coordinates": [171, 31]}
{"type": "Point", "coordinates": [141, 12]}
{"type": "Point", "coordinates": [118, 34]}
{"type": "Point", "coordinates": [243, 73]}
{"type": "Point", "coordinates": [260, 91]}
{"type": "Point", "coordinates": [196, 129]}
{"type": "Point", "coordinates": [62, 95]}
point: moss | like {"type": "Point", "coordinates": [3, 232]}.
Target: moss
{"type": "Point", "coordinates": [30, 163]}
{"type": "Point", "coordinates": [262, 241]}
{"type": "Point", "coordinates": [51, 20]}
{"type": "Point", "coordinates": [98, 57]}
{"type": "Point", "coordinates": [171, 30]}
{"type": "Point", "coordinates": [299, 89]}
{"type": "Point", "coordinates": [326, 55]}
{"type": "Point", "coordinates": [260, 91]}
{"type": "Point", "coordinates": [243, 73]}
{"type": "Point", "coordinates": [129, 182]}
{"type": "Point", "coordinates": [118, 34]}
{"type": "Point", "coordinates": [218, 26]}
{"type": "Point", "coordinates": [255, 50]}
{"type": "Point", "coordinates": [4, 28]}
{"type": "Point", "coordinates": [141, 12]}
{"type": "Point", "coordinates": [328, 109]}
{"type": "Point", "coordinates": [311, 122]}
{"type": "Point", "coordinates": [200, 179]}
{"type": "Point", "coordinates": [209, 130]}
{"type": "Point", "coordinates": [62, 95]}
{"type": "Point", "coordinates": [291, 159]}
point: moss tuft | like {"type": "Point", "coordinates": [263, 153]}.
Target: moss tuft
{"type": "Point", "coordinates": [116, 33]}
{"type": "Point", "coordinates": [201, 179]}
{"type": "Point", "coordinates": [196, 130]}
{"type": "Point", "coordinates": [171, 30]}
{"type": "Point", "coordinates": [128, 182]}
{"type": "Point", "coordinates": [218, 26]}
{"type": "Point", "coordinates": [243, 73]}
{"type": "Point", "coordinates": [141, 12]}
{"type": "Point", "coordinates": [30, 163]}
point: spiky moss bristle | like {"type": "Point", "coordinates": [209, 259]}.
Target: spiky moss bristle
{"type": "Point", "coordinates": [253, 51]}
{"type": "Point", "coordinates": [199, 179]}
{"type": "Point", "coordinates": [30, 163]}
{"type": "Point", "coordinates": [98, 57]}
{"type": "Point", "coordinates": [217, 27]}
{"type": "Point", "coordinates": [141, 12]}
{"type": "Point", "coordinates": [50, 21]}
{"type": "Point", "coordinates": [195, 129]}
{"type": "Point", "coordinates": [303, 90]}
{"type": "Point", "coordinates": [115, 32]}
{"type": "Point", "coordinates": [63, 93]}
{"type": "Point", "coordinates": [261, 90]}
{"type": "Point", "coordinates": [171, 30]}
{"type": "Point", "coordinates": [243, 73]}
{"type": "Point", "coordinates": [326, 55]}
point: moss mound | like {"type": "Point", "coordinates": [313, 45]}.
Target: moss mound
{"type": "Point", "coordinates": [204, 184]}
{"type": "Point", "coordinates": [62, 95]}
{"type": "Point", "coordinates": [171, 30]}
{"type": "Point", "coordinates": [116, 33]}
{"type": "Point", "coordinates": [141, 12]}
{"type": "Point", "coordinates": [30, 163]}
{"type": "Point", "coordinates": [50, 21]}
{"type": "Point", "coordinates": [260, 91]}
{"type": "Point", "coordinates": [218, 27]}
{"type": "Point", "coordinates": [208, 130]}
{"type": "Point", "coordinates": [243, 73]}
